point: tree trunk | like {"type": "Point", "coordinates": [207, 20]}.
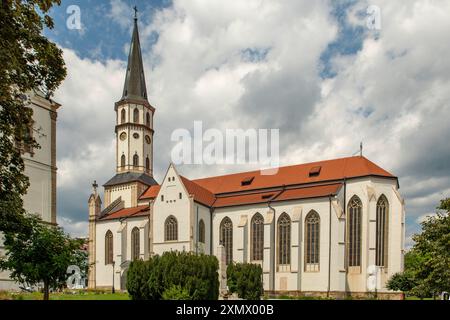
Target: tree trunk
{"type": "Point", "coordinates": [46, 293]}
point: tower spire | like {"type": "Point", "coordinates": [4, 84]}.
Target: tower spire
{"type": "Point", "coordinates": [134, 87]}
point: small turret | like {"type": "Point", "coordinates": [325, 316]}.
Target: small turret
{"type": "Point", "coordinates": [95, 207]}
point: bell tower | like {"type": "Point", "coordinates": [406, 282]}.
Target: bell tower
{"type": "Point", "coordinates": [134, 132]}
{"type": "Point", "coordinates": [134, 117]}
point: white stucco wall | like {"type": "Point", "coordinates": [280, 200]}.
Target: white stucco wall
{"type": "Point", "coordinates": [172, 205]}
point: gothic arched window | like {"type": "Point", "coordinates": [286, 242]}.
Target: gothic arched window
{"type": "Point", "coordinates": [354, 231]}
{"type": "Point", "coordinates": [122, 161]}
{"type": "Point", "coordinates": [147, 119]}
{"type": "Point", "coordinates": [109, 257]}
{"type": "Point", "coordinates": [135, 160]}
{"type": "Point", "coordinates": [136, 115]}
{"type": "Point", "coordinates": [284, 239]}
{"type": "Point", "coordinates": [123, 116]}
{"type": "Point", "coordinates": [201, 231]}
{"type": "Point", "coordinates": [171, 229]}
{"type": "Point", "coordinates": [257, 237]}
{"type": "Point", "coordinates": [226, 238]}
{"type": "Point", "coordinates": [382, 231]}
{"type": "Point", "coordinates": [135, 244]}
{"type": "Point", "coordinates": [147, 163]}
{"type": "Point", "coordinates": [312, 241]}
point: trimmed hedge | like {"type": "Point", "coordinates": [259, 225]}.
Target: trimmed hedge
{"type": "Point", "coordinates": [186, 272]}
{"type": "Point", "coordinates": [245, 279]}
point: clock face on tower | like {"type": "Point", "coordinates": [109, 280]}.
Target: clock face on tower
{"type": "Point", "coordinates": [123, 136]}
{"type": "Point", "coordinates": [148, 139]}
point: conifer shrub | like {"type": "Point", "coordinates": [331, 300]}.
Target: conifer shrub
{"type": "Point", "coordinates": [173, 274]}
{"type": "Point", "coordinates": [245, 279]}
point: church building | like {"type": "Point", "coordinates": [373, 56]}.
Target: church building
{"type": "Point", "coordinates": [328, 228]}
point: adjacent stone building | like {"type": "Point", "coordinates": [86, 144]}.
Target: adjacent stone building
{"type": "Point", "coordinates": [40, 166]}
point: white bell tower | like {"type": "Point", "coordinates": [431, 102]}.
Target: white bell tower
{"type": "Point", "coordinates": [134, 134]}
{"type": "Point", "coordinates": [134, 117]}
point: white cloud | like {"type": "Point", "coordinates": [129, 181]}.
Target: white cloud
{"type": "Point", "coordinates": [424, 217]}
{"type": "Point", "coordinates": [121, 13]}
{"type": "Point", "coordinates": [76, 229]}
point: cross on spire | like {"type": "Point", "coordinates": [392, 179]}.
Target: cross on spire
{"type": "Point", "coordinates": [95, 186]}
{"type": "Point", "coordinates": [135, 12]}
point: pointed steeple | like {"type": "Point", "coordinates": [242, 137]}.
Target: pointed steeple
{"type": "Point", "coordinates": [134, 87]}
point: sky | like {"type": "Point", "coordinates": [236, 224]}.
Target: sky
{"type": "Point", "coordinates": [312, 69]}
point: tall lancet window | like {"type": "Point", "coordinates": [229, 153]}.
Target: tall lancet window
{"type": "Point", "coordinates": [135, 244]}
{"type": "Point", "coordinates": [354, 232]}
{"type": "Point", "coordinates": [147, 120]}
{"type": "Point", "coordinates": [171, 229]}
{"type": "Point", "coordinates": [257, 237]}
{"type": "Point", "coordinates": [382, 231]}
{"type": "Point", "coordinates": [147, 163]}
{"type": "Point", "coordinates": [201, 231]}
{"type": "Point", "coordinates": [122, 161]}
{"type": "Point", "coordinates": [135, 160]}
{"type": "Point", "coordinates": [284, 239]}
{"type": "Point", "coordinates": [312, 241]}
{"type": "Point", "coordinates": [226, 238]}
{"type": "Point", "coordinates": [136, 115]}
{"type": "Point", "coordinates": [123, 116]}
{"type": "Point", "coordinates": [109, 247]}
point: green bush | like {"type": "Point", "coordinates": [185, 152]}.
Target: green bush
{"type": "Point", "coordinates": [196, 274]}
{"type": "Point", "coordinates": [401, 281]}
{"type": "Point", "coordinates": [245, 279]}
{"type": "Point", "coordinates": [176, 293]}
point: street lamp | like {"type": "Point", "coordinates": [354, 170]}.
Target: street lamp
{"type": "Point", "coordinates": [113, 290]}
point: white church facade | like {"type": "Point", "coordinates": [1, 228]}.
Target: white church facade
{"type": "Point", "coordinates": [323, 228]}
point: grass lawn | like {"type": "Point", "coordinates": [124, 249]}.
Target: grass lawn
{"type": "Point", "coordinates": [416, 298]}
{"type": "Point", "coordinates": [65, 296]}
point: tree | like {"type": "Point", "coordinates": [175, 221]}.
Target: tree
{"type": "Point", "coordinates": [41, 256]}
{"type": "Point", "coordinates": [28, 61]}
{"type": "Point", "coordinates": [400, 281]}
{"type": "Point", "coordinates": [427, 271]}
{"type": "Point", "coordinates": [433, 249]}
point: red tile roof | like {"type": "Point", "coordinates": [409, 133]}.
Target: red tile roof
{"type": "Point", "coordinates": [199, 193]}
{"type": "Point", "coordinates": [212, 191]}
{"type": "Point", "coordinates": [331, 170]}
{"type": "Point", "coordinates": [128, 212]}
{"type": "Point", "coordinates": [150, 193]}
{"type": "Point", "coordinates": [278, 195]}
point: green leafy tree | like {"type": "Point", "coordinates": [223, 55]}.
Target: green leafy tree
{"type": "Point", "coordinates": [401, 281]}
{"type": "Point", "coordinates": [41, 256]}
{"type": "Point", "coordinates": [427, 270]}
{"type": "Point", "coordinates": [432, 247]}
{"type": "Point", "coordinates": [28, 61]}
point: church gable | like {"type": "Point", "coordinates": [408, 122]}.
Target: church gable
{"type": "Point", "coordinates": [172, 187]}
